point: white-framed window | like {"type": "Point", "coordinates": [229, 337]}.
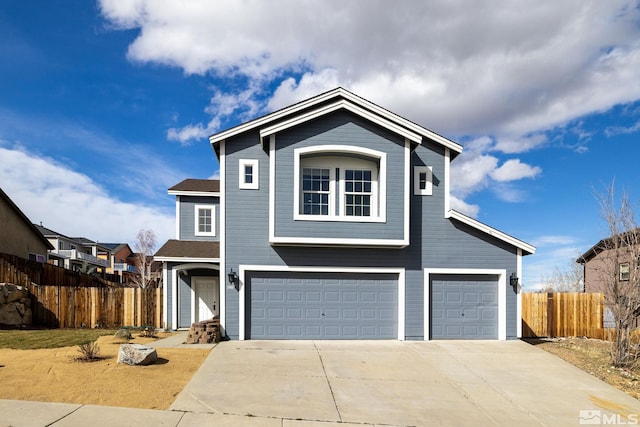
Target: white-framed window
{"type": "Point", "coordinates": [248, 174]}
{"type": "Point", "coordinates": [422, 180]}
{"type": "Point", "coordinates": [205, 220]}
{"type": "Point", "coordinates": [344, 184]}
{"type": "Point", "coordinates": [625, 272]}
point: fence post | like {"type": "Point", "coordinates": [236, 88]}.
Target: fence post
{"type": "Point", "coordinates": [550, 315]}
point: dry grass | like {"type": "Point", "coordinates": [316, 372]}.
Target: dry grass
{"type": "Point", "coordinates": [54, 375]}
{"type": "Point", "coordinates": [594, 356]}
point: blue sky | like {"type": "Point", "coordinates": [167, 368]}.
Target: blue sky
{"type": "Point", "coordinates": [105, 105]}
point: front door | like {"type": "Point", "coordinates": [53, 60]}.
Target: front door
{"type": "Point", "coordinates": [206, 298]}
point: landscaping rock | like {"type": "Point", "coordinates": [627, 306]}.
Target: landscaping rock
{"type": "Point", "coordinates": [137, 354]}
{"type": "Point", "coordinates": [123, 334]}
{"type": "Point", "coordinates": [15, 305]}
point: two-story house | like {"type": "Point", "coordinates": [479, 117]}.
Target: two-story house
{"type": "Point", "coordinates": [332, 220]}
{"type": "Point", "coordinates": [75, 253]}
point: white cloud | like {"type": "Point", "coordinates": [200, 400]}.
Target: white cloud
{"type": "Point", "coordinates": [508, 70]}
{"type": "Point", "coordinates": [72, 203]}
{"type": "Point", "coordinates": [464, 207]}
{"type": "Point", "coordinates": [618, 130]}
{"type": "Point", "coordinates": [513, 170]}
{"type": "Point", "coordinates": [495, 68]}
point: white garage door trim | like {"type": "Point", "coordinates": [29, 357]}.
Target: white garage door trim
{"type": "Point", "coordinates": [243, 269]}
{"type": "Point", "coordinates": [502, 295]}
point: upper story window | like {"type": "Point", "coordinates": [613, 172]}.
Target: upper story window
{"type": "Point", "coordinates": [422, 180]}
{"type": "Point", "coordinates": [205, 220]}
{"type": "Point", "coordinates": [625, 273]}
{"type": "Point", "coordinates": [340, 184]}
{"type": "Point", "coordinates": [248, 174]}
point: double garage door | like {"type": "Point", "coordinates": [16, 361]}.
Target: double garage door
{"type": "Point", "coordinates": [464, 306]}
{"type": "Point", "coordinates": [365, 306]}
{"type": "Point", "coordinates": [322, 306]}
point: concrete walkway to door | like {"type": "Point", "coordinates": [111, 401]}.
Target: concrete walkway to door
{"type": "Point", "coordinates": [501, 383]}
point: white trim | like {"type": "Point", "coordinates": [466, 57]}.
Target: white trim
{"type": "Point", "coordinates": [428, 190]}
{"type": "Point", "coordinates": [272, 185]}
{"type": "Point", "coordinates": [165, 295]}
{"type": "Point", "coordinates": [491, 231]}
{"type": "Point", "coordinates": [174, 287]}
{"type": "Point", "coordinates": [382, 270]}
{"type": "Point", "coordinates": [502, 295]}
{"type": "Point", "coordinates": [196, 212]}
{"type": "Point", "coordinates": [174, 299]}
{"type": "Point", "coordinates": [406, 189]}
{"type": "Point", "coordinates": [255, 173]}
{"type": "Point", "coordinates": [177, 217]}
{"type": "Point", "coordinates": [194, 193]}
{"type": "Point", "coordinates": [519, 295]}
{"type": "Point", "coordinates": [328, 241]}
{"type": "Point", "coordinates": [223, 244]}
{"type": "Point", "coordinates": [339, 105]}
{"type": "Point", "coordinates": [338, 92]}
{"type": "Point", "coordinates": [184, 259]}
{"type": "Point", "coordinates": [447, 185]}
{"type": "Point", "coordinates": [336, 190]}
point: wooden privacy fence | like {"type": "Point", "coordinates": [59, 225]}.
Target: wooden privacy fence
{"type": "Point", "coordinates": [20, 271]}
{"type": "Point", "coordinates": [82, 307]}
{"type": "Point", "coordinates": [568, 314]}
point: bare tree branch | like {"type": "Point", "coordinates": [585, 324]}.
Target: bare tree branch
{"type": "Point", "coordinates": [144, 247]}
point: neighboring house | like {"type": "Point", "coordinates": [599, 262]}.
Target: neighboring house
{"type": "Point", "coordinates": [601, 259]}
{"type": "Point", "coordinates": [121, 260]}
{"type": "Point", "coordinates": [332, 220]}
{"type": "Point", "coordinates": [18, 235]}
{"type": "Point", "coordinates": [75, 253]}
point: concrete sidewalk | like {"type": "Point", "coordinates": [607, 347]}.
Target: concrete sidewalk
{"type": "Point", "coordinates": [349, 383]}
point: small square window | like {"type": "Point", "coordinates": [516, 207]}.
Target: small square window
{"type": "Point", "coordinates": [248, 174]}
{"type": "Point", "coordinates": [422, 181]}
{"type": "Point", "coordinates": [205, 220]}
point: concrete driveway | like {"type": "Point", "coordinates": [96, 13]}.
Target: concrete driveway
{"type": "Point", "coordinates": [400, 383]}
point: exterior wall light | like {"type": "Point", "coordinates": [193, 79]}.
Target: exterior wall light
{"type": "Point", "coordinates": [233, 278]}
{"type": "Point", "coordinates": [514, 282]}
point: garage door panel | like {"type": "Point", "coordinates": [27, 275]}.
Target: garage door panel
{"type": "Point", "coordinates": [322, 306]}
{"type": "Point", "coordinates": [464, 306]}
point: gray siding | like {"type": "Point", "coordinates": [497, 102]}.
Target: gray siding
{"type": "Point", "coordinates": [435, 242]}
{"type": "Point", "coordinates": [187, 217]}
{"type": "Point", "coordinates": [339, 129]}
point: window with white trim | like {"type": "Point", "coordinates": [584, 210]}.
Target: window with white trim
{"type": "Point", "coordinates": [422, 180]}
{"type": "Point", "coordinates": [205, 217]}
{"type": "Point", "coordinates": [248, 174]}
{"type": "Point", "coordinates": [339, 187]}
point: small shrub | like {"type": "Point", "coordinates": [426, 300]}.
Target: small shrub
{"type": "Point", "coordinates": [89, 351]}
{"type": "Point", "coordinates": [123, 335]}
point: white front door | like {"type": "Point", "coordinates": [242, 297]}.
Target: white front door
{"type": "Point", "coordinates": [206, 296]}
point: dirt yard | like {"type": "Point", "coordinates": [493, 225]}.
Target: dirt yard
{"type": "Point", "coordinates": [53, 375]}
{"type": "Point", "coordinates": [593, 356]}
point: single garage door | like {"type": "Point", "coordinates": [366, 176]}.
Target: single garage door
{"type": "Point", "coordinates": [464, 306]}
{"type": "Point", "coordinates": [322, 306]}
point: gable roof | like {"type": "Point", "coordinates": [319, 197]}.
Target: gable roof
{"type": "Point", "coordinates": [26, 220]}
{"type": "Point", "coordinates": [604, 245]}
{"type": "Point", "coordinates": [333, 100]}
{"type": "Point", "coordinates": [196, 187]}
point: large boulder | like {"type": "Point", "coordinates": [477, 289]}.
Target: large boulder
{"type": "Point", "coordinates": [137, 354]}
{"type": "Point", "coordinates": [15, 305]}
